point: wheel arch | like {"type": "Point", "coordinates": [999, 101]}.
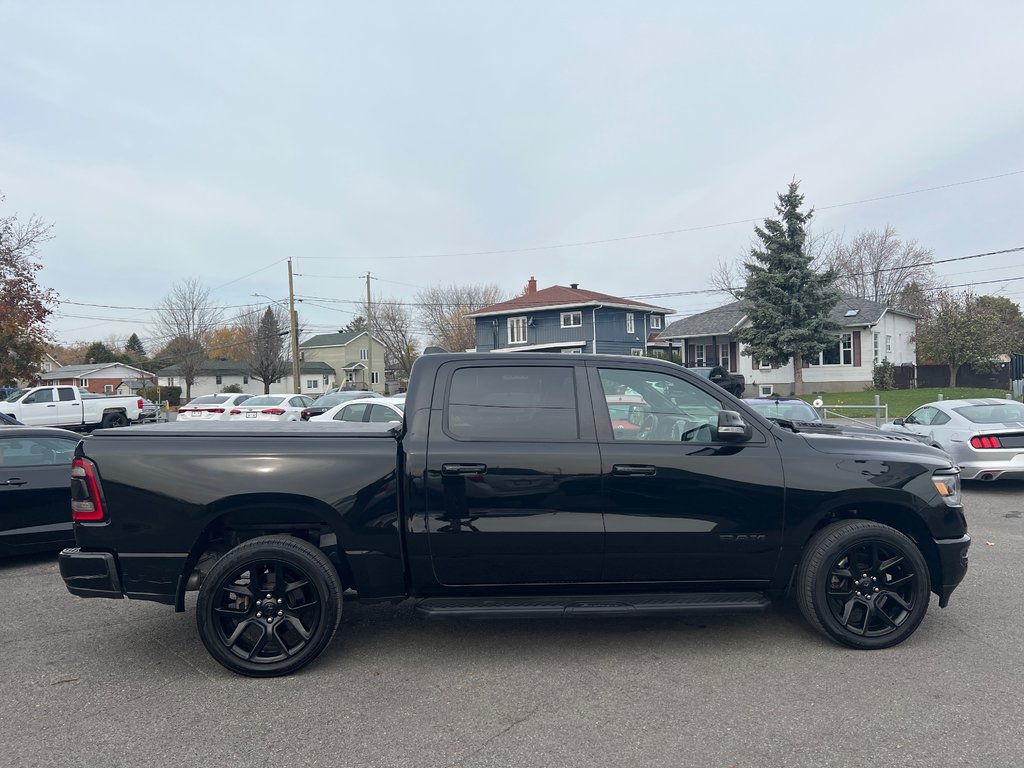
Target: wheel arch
{"type": "Point", "coordinates": [238, 518]}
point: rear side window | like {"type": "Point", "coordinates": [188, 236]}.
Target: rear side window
{"type": "Point", "coordinates": [513, 403]}
{"type": "Point", "coordinates": [354, 412]}
{"type": "Point", "coordinates": [66, 394]}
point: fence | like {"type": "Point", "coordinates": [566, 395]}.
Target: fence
{"type": "Point", "coordinates": [845, 412]}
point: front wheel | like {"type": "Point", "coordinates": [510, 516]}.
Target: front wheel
{"type": "Point", "coordinates": [269, 606]}
{"type": "Point", "coordinates": [863, 584]}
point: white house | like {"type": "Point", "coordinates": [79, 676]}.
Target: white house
{"type": "Point", "coordinates": [871, 332]}
{"type": "Point", "coordinates": [315, 378]}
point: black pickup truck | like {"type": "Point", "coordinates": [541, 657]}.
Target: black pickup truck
{"type": "Point", "coordinates": [522, 485]}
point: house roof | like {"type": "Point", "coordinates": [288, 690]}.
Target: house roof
{"type": "Point", "coordinates": [562, 297]}
{"type": "Point", "coordinates": [339, 339]}
{"type": "Point", "coordinates": [850, 312]}
{"type": "Point", "coordinates": [85, 371]}
{"type": "Point", "coordinates": [234, 368]}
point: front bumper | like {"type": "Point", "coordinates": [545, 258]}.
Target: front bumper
{"type": "Point", "coordinates": [953, 565]}
{"type": "Point", "coordinates": [90, 574]}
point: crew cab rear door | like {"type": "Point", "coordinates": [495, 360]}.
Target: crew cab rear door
{"type": "Point", "coordinates": [513, 476]}
{"type": "Point", "coordinates": [680, 505]}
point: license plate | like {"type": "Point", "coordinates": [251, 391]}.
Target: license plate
{"type": "Point", "coordinates": [251, 415]}
{"type": "Point", "coordinates": [196, 413]}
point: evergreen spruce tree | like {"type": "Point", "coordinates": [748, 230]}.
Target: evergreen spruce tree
{"type": "Point", "coordinates": [134, 347]}
{"type": "Point", "coordinates": [788, 303]}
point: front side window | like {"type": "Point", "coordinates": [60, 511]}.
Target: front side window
{"type": "Point", "coordinates": [572, 319]}
{"type": "Point", "coordinates": [512, 403]}
{"type": "Point", "coordinates": [517, 330]}
{"type": "Point", "coordinates": [42, 396]}
{"type": "Point", "coordinates": [654, 406]}
{"type": "Point", "coordinates": [36, 451]}
{"type": "Point", "coordinates": [630, 324]}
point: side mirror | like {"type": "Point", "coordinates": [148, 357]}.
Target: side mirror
{"type": "Point", "coordinates": [732, 428]}
{"type": "Point", "coordinates": [897, 422]}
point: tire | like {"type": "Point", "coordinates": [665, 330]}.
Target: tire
{"type": "Point", "coordinates": [115, 419]}
{"type": "Point", "coordinates": [298, 586]}
{"type": "Point", "coordinates": [863, 584]}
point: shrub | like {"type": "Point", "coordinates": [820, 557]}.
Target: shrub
{"type": "Point", "coordinates": [170, 394]}
{"type": "Point", "coordinates": [882, 376]}
{"type": "Point", "coordinates": [233, 388]}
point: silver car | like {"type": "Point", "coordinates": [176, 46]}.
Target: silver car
{"type": "Point", "coordinates": [985, 436]}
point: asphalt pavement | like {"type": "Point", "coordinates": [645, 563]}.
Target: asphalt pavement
{"type": "Point", "coordinates": [119, 683]}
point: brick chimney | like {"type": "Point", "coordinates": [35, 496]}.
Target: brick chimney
{"type": "Point", "coordinates": [531, 287]}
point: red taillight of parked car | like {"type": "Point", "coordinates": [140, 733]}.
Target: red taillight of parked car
{"type": "Point", "coordinates": [86, 502]}
{"type": "Point", "coordinates": [305, 414]}
{"type": "Point", "coordinates": [141, 404]}
{"type": "Point", "coordinates": [235, 411]}
{"type": "Point", "coordinates": [215, 410]}
{"type": "Point", "coordinates": [985, 441]}
{"type": "Point", "coordinates": [183, 409]}
{"type": "Point", "coordinates": [274, 411]}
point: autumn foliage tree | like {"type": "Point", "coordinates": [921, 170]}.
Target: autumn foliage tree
{"type": "Point", "coordinates": [24, 304]}
{"type": "Point", "coordinates": [962, 330]}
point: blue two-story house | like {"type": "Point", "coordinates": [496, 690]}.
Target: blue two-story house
{"type": "Point", "coordinates": [568, 319]}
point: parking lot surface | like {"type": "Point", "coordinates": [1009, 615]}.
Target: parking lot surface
{"type": "Point", "coordinates": [119, 683]}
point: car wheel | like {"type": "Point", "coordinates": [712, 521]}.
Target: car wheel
{"type": "Point", "coordinates": [863, 584]}
{"type": "Point", "coordinates": [269, 606]}
{"type": "Point", "coordinates": [112, 420]}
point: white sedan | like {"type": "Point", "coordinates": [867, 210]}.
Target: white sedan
{"type": "Point", "coordinates": [374, 410]}
{"type": "Point", "coordinates": [211, 407]}
{"type": "Point", "coordinates": [264, 408]}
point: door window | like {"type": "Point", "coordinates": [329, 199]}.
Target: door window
{"type": "Point", "coordinates": [41, 396]}
{"type": "Point", "coordinates": [36, 451]}
{"type": "Point", "coordinates": [513, 403]}
{"type": "Point", "coordinates": [651, 405]}
{"type": "Point", "coordinates": [66, 394]}
{"type": "Point", "coordinates": [923, 416]}
{"type": "Point", "coordinates": [381, 414]}
{"type": "Point", "coordinates": [353, 412]}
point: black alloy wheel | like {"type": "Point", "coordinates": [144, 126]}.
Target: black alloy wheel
{"type": "Point", "coordinates": [112, 420]}
{"type": "Point", "coordinates": [269, 606]}
{"type": "Point", "coordinates": [863, 584]}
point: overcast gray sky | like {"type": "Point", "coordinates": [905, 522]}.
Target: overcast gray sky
{"type": "Point", "coordinates": [215, 140]}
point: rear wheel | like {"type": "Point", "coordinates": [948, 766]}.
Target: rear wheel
{"type": "Point", "coordinates": [863, 584]}
{"type": "Point", "coordinates": [269, 606]}
{"type": "Point", "coordinates": [116, 419]}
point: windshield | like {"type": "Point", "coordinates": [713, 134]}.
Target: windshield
{"type": "Point", "coordinates": [992, 413]}
{"type": "Point", "coordinates": [14, 395]}
{"type": "Point", "coordinates": [794, 410]}
{"type": "Point", "coordinates": [265, 400]}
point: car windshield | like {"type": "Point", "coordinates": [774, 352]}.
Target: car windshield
{"type": "Point", "coordinates": [265, 400]}
{"type": "Point", "coordinates": [14, 395]}
{"type": "Point", "coordinates": [992, 413]}
{"type": "Point", "coordinates": [794, 410]}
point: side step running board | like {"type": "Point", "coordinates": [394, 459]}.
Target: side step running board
{"type": "Point", "coordinates": [553, 607]}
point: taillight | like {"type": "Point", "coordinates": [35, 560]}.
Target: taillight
{"type": "Point", "coordinates": [273, 411]}
{"type": "Point", "coordinates": [305, 414]}
{"type": "Point", "coordinates": [215, 410]}
{"type": "Point", "coordinates": [86, 502]}
{"type": "Point", "coordinates": [235, 411]}
{"type": "Point", "coordinates": [985, 441]}
{"type": "Point", "coordinates": [183, 409]}
{"type": "Point", "coordinates": [140, 404]}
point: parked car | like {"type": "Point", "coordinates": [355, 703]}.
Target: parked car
{"type": "Point", "coordinates": [69, 408]}
{"type": "Point", "coordinates": [984, 436]}
{"type": "Point", "coordinates": [35, 470]}
{"type": "Point", "coordinates": [733, 383]}
{"type": "Point", "coordinates": [270, 408]}
{"type": "Point", "coordinates": [372, 409]}
{"type": "Point", "coordinates": [150, 411]}
{"type": "Point", "coordinates": [324, 403]}
{"type": "Point", "coordinates": [9, 421]}
{"type": "Point", "coordinates": [212, 407]}
{"type": "Point", "coordinates": [507, 492]}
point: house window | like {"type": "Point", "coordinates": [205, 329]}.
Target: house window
{"type": "Point", "coordinates": [517, 330]}
{"type": "Point", "coordinates": [311, 383]}
{"type": "Point", "coordinates": [635, 352]}
{"type": "Point", "coordinates": [655, 322]}
{"type": "Point", "coordinates": [375, 377]}
{"type": "Point", "coordinates": [573, 351]}
{"type": "Point", "coordinates": [364, 354]}
{"type": "Point", "coordinates": [888, 345]}
{"type": "Point", "coordinates": [629, 323]}
{"type": "Point", "coordinates": [326, 379]}
{"type": "Point", "coordinates": [723, 356]}
{"type": "Point", "coordinates": [572, 319]}
{"type": "Point", "coordinates": [874, 346]}
{"type": "Point", "coordinates": [83, 382]}
{"type": "Point", "coordinates": [245, 379]}
{"type": "Point", "coordinates": [698, 355]}
{"type": "Point", "coordinates": [108, 388]}
{"type": "Point", "coordinates": [762, 365]}
{"type": "Point", "coordinates": [767, 390]}
{"type": "Point", "coordinates": [839, 354]}
{"type": "Point", "coordinates": [220, 380]}
{"type": "Point", "coordinates": [170, 381]}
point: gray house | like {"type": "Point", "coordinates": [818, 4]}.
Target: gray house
{"type": "Point", "coordinates": [568, 319]}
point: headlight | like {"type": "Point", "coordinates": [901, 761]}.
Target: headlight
{"type": "Point", "coordinates": [947, 483]}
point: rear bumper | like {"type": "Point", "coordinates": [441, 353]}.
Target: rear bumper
{"type": "Point", "coordinates": [90, 574]}
{"type": "Point", "coordinates": [953, 564]}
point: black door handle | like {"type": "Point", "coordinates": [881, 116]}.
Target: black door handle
{"type": "Point", "coordinates": [463, 469]}
{"type": "Point", "coordinates": [634, 470]}
{"type": "Point", "coordinates": [14, 481]}
{"type": "Point", "coordinates": [52, 405]}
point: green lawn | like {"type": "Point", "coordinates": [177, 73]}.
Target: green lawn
{"type": "Point", "coordinates": [900, 401]}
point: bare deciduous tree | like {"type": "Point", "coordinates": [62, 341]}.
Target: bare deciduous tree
{"type": "Point", "coordinates": [188, 317]}
{"type": "Point", "coordinates": [393, 326]}
{"type": "Point", "coordinates": [880, 266]}
{"type": "Point", "coordinates": [262, 350]}
{"type": "Point", "coordinates": [443, 310]}
{"type": "Point", "coordinates": [731, 276]}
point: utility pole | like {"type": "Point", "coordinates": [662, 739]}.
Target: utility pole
{"type": "Point", "coordinates": [369, 331]}
{"type": "Point", "coordinates": [295, 332]}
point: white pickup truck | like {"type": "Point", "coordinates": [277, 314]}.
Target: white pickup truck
{"type": "Point", "coordinates": [67, 407]}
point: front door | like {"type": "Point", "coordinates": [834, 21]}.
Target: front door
{"type": "Point", "coordinates": [513, 477]}
{"type": "Point", "coordinates": [680, 505]}
{"type": "Point", "coordinates": [35, 506]}
{"type": "Point", "coordinates": [39, 409]}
